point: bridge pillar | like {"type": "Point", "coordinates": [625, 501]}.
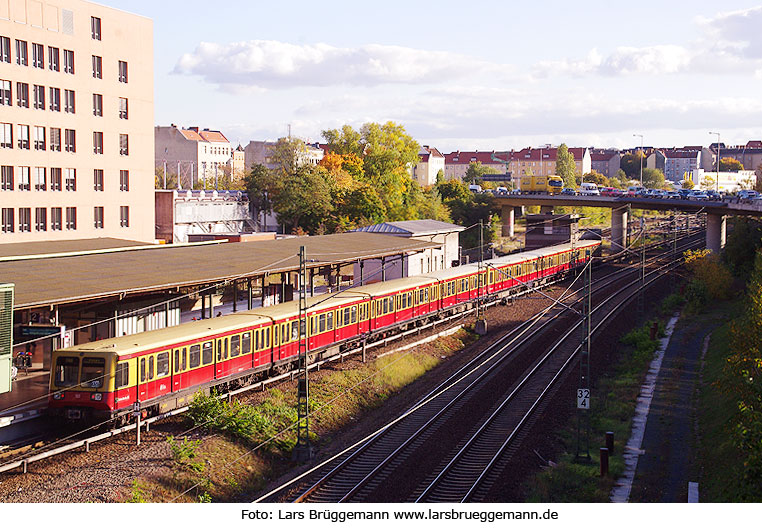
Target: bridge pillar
{"type": "Point", "coordinates": [546, 209]}
{"type": "Point", "coordinates": [618, 229]}
{"type": "Point", "coordinates": [507, 215]}
{"type": "Point", "coordinates": [518, 210]}
{"type": "Point", "coordinates": [715, 232]}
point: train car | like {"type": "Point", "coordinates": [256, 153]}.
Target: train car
{"type": "Point", "coordinates": [162, 369]}
{"type": "Point", "coordinates": [536, 184]}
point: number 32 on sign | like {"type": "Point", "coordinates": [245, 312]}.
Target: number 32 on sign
{"type": "Point", "coordinates": [583, 398]}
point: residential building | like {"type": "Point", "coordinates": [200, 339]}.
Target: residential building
{"type": "Point", "coordinates": [197, 155]}
{"type": "Point", "coordinates": [76, 92]}
{"type": "Point", "coordinates": [239, 164]}
{"type": "Point", "coordinates": [542, 161]}
{"type": "Point", "coordinates": [412, 264]}
{"type": "Point", "coordinates": [750, 154]}
{"type": "Point", "coordinates": [431, 161]}
{"type": "Point", "coordinates": [260, 152]}
{"type": "Point", "coordinates": [456, 163]}
{"type": "Point", "coordinates": [679, 161]}
{"type": "Point", "coordinates": [655, 159]}
{"type": "Point", "coordinates": [605, 161]}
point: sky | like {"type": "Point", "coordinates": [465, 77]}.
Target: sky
{"type": "Point", "coordinates": [478, 75]}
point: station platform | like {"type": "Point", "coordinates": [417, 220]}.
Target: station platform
{"type": "Point", "coordinates": [28, 397]}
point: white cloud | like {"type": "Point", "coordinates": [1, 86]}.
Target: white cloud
{"type": "Point", "coordinates": [738, 31]}
{"type": "Point", "coordinates": [268, 64]}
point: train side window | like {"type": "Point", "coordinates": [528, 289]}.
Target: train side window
{"type": "Point", "coordinates": [225, 344]}
{"type": "Point", "coordinates": [294, 330]}
{"type": "Point", "coordinates": [122, 375]}
{"type": "Point", "coordinates": [329, 321]}
{"type": "Point", "coordinates": [276, 340]}
{"type": "Point", "coordinates": [219, 349]}
{"type": "Point", "coordinates": [267, 337]}
{"type": "Point", "coordinates": [410, 299]}
{"type": "Point", "coordinates": [177, 360]}
{"type": "Point", "coordinates": [312, 325]}
{"type": "Point", "coordinates": [284, 333]}
{"type": "Point", "coordinates": [346, 320]}
{"type": "Point", "coordinates": [235, 346]}
{"type": "Point", "coordinates": [321, 323]}
{"type": "Point", "coordinates": [162, 364]}
{"type": "Point", "coordinates": [258, 340]}
{"type": "Point", "coordinates": [150, 368]}
{"type": "Point", "coordinates": [195, 356]}
{"type": "Point", "coordinates": [206, 353]}
{"type": "Point", "coordinates": [142, 369]}
{"type": "Point", "coordinates": [353, 314]}
{"type": "Point", "coordinates": [246, 343]}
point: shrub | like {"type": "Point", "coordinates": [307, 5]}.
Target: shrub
{"type": "Point", "coordinates": [184, 453]}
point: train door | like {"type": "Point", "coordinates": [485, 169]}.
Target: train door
{"type": "Point", "coordinates": [223, 368]}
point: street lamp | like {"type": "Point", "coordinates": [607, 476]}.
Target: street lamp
{"type": "Point", "coordinates": [717, 180]}
{"type": "Point", "coordinates": [641, 157]}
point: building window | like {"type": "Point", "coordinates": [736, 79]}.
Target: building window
{"type": "Point", "coordinates": [97, 67]}
{"type": "Point", "coordinates": [21, 56]}
{"type": "Point", "coordinates": [5, 93]}
{"type": "Point", "coordinates": [55, 218]}
{"type": "Point", "coordinates": [40, 182]}
{"type": "Point", "coordinates": [98, 105]}
{"type": "Point", "coordinates": [124, 180]}
{"type": "Point", "coordinates": [68, 61]}
{"type": "Point", "coordinates": [55, 178]}
{"type": "Point", "coordinates": [39, 97]}
{"type": "Point", "coordinates": [97, 142]}
{"type": "Point", "coordinates": [25, 219]}
{"type": "Point", "coordinates": [98, 217]}
{"type": "Point", "coordinates": [122, 71]}
{"type": "Point", "coordinates": [122, 107]}
{"type": "Point", "coordinates": [95, 28]}
{"type": "Point", "coordinates": [69, 101]}
{"type": "Point", "coordinates": [53, 63]}
{"type": "Point", "coordinates": [40, 219]}
{"type": "Point", "coordinates": [71, 218]}
{"type": "Point", "coordinates": [7, 220]}
{"type": "Point", "coordinates": [23, 139]}
{"type": "Point", "coordinates": [70, 140]}
{"type": "Point", "coordinates": [5, 49]}
{"type": "Point", "coordinates": [6, 178]}
{"type": "Point", "coordinates": [55, 139]}
{"type": "Point", "coordinates": [6, 135]}
{"type": "Point", "coordinates": [71, 179]}
{"type": "Point", "coordinates": [98, 179]}
{"type": "Point", "coordinates": [124, 216]}
{"type": "Point", "coordinates": [39, 138]}
{"type": "Point", "coordinates": [22, 94]}
{"type": "Point", "coordinates": [124, 145]}
{"type": "Point", "coordinates": [38, 56]}
{"type": "Point", "coordinates": [55, 99]}
{"type": "Point", "coordinates": [23, 177]}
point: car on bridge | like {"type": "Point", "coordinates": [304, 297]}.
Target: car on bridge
{"type": "Point", "coordinates": [698, 194]}
{"type": "Point", "coordinates": [568, 191]}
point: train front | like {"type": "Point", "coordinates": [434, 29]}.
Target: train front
{"type": "Point", "coordinates": [81, 385]}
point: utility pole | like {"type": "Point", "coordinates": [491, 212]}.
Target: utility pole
{"type": "Point", "coordinates": [583, 388]}
{"type": "Point", "coordinates": [303, 450]}
{"type": "Point", "coordinates": [481, 323]}
{"type": "Point", "coordinates": [165, 174]}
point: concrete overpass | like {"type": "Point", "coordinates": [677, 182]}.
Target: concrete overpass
{"type": "Point", "coordinates": [716, 211]}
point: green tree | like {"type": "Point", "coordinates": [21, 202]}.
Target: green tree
{"type": "Point", "coordinates": [159, 179]}
{"type": "Point", "coordinates": [288, 154]}
{"type": "Point", "coordinates": [476, 171]}
{"type": "Point", "coordinates": [262, 186]}
{"type": "Point", "coordinates": [597, 178]}
{"type": "Point", "coordinates": [440, 175]}
{"type": "Point", "coordinates": [630, 163]}
{"type": "Point", "coordinates": [744, 240]}
{"type": "Point", "coordinates": [653, 178]}
{"type": "Point", "coordinates": [565, 166]}
{"type": "Point", "coordinates": [730, 165]}
{"type": "Point", "coordinates": [304, 200]}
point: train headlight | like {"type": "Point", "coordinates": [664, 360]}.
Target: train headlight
{"type": "Point", "coordinates": [58, 395]}
{"type": "Point", "coordinates": [97, 396]}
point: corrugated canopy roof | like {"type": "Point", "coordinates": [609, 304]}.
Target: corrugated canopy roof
{"type": "Point", "coordinates": [413, 227]}
{"type": "Point", "coordinates": [56, 280]}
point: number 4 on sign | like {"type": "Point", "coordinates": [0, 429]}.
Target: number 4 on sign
{"type": "Point", "coordinates": [583, 398]}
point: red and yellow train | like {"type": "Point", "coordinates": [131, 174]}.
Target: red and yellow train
{"type": "Point", "coordinates": [162, 369]}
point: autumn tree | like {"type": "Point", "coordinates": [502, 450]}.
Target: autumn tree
{"type": "Point", "coordinates": [653, 178]}
{"type": "Point", "coordinates": [730, 165]}
{"type": "Point", "coordinates": [597, 178]}
{"type": "Point", "coordinates": [565, 166]}
{"type": "Point", "coordinates": [262, 186]}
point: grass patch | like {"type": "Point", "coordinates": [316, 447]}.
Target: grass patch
{"type": "Point", "coordinates": [614, 402]}
{"type": "Point", "coordinates": [719, 461]}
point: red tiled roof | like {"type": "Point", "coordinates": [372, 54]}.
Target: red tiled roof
{"type": "Point", "coordinates": [190, 135]}
{"type": "Point", "coordinates": [680, 153]}
{"type": "Point", "coordinates": [213, 136]}
{"type": "Point", "coordinates": [465, 157]}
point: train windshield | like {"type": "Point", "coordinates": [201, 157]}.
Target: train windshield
{"type": "Point", "coordinates": [93, 370]}
{"type": "Point", "coordinates": [67, 371]}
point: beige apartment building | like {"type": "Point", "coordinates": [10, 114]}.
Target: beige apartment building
{"type": "Point", "coordinates": [76, 122]}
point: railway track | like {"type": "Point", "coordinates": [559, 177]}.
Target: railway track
{"type": "Point", "coordinates": [40, 447]}
{"type": "Point", "coordinates": [363, 472]}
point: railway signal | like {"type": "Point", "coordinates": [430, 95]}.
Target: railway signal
{"type": "Point", "coordinates": [303, 450]}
